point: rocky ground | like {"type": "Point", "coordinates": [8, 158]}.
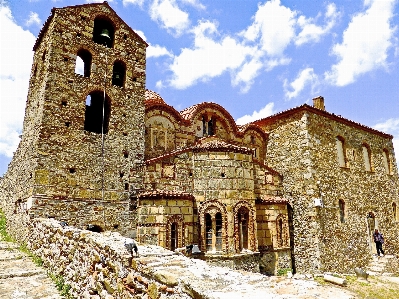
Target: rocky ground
{"type": "Point", "coordinates": [21, 278]}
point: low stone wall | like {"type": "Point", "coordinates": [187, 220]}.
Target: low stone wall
{"type": "Point", "coordinates": [97, 265]}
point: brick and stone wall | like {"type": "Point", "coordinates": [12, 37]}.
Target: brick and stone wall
{"type": "Point", "coordinates": [303, 148]}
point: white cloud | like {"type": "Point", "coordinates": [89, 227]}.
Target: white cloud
{"type": "Point", "coordinates": [141, 34]}
{"type": "Point", "coordinates": [208, 58]}
{"type": "Point", "coordinates": [274, 25]}
{"type": "Point", "coordinates": [134, 2]}
{"type": "Point", "coordinates": [33, 19]}
{"type": "Point", "coordinates": [365, 44]}
{"type": "Point", "coordinates": [312, 32]}
{"type": "Point", "coordinates": [391, 126]}
{"type": "Point", "coordinates": [171, 17]}
{"type": "Point", "coordinates": [304, 78]}
{"type": "Point", "coordinates": [264, 112]}
{"type": "Point", "coordinates": [16, 60]}
{"type": "Point", "coordinates": [246, 75]}
{"type": "Point", "coordinates": [157, 51]}
{"type": "Point", "coordinates": [195, 3]}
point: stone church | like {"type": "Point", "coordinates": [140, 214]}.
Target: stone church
{"type": "Point", "coordinates": [301, 189]}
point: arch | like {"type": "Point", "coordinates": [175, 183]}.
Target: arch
{"type": "Point", "coordinates": [213, 226]}
{"type": "Point", "coordinates": [83, 63]}
{"type": "Point", "coordinates": [244, 226]}
{"type": "Point", "coordinates": [174, 232]}
{"type": "Point", "coordinates": [119, 73]}
{"type": "Point", "coordinates": [103, 31]}
{"type": "Point", "coordinates": [282, 231]}
{"type": "Point", "coordinates": [386, 161]}
{"type": "Point", "coordinates": [340, 143]}
{"type": "Point", "coordinates": [95, 121]}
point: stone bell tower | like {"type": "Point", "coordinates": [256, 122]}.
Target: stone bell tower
{"type": "Point", "coordinates": [83, 135]}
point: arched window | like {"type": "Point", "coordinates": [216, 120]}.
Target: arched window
{"type": "Point", "coordinates": [243, 219]}
{"type": "Point", "coordinates": [366, 156]}
{"type": "Point", "coordinates": [395, 211]}
{"type": "Point", "coordinates": [341, 205]}
{"type": "Point", "coordinates": [386, 160]}
{"type": "Point", "coordinates": [211, 127]}
{"type": "Point", "coordinates": [118, 74]}
{"type": "Point", "coordinates": [103, 32]}
{"type": "Point", "coordinates": [94, 118]}
{"type": "Point", "coordinates": [174, 238]}
{"type": "Point", "coordinates": [218, 219]}
{"type": "Point", "coordinates": [209, 232]}
{"type": "Point", "coordinates": [341, 151]}
{"type": "Point", "coordinates": [83, 63]}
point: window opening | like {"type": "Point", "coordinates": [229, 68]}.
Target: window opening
{"type": "Point", "coordinates": [83, 63]}
{"type": "Point", "coordinates": [209, 232]}
{"type": "Point", "coordinates": [203, 126]}
{"type": "Point", "coordinates": [211, 127]}
{"type": "Point", "coordinates": [118, 74]}
{"type": "Point", "coordinates": [174, 236]}
{"type": "Point", "coordinates": [103, 32]}
{"type": "Point", "coordinates": [366, 157]}
{"type": "Point", "coordinates": [394, 211]}
{"type": "Point", "coordinates": [341, 204]}
{"type": "Point", "coordinates": [341, 151]}
{"type": "Point", "coordinates": [280, 229]}
{"type": "Point", "coordinates": [94, 112]}
{"type": "Point", "coordinates": [386, 160]}
{"type": "Point", "coordinates": [218, 218]}
{"type": "Point", "coordinates": [243, 229]}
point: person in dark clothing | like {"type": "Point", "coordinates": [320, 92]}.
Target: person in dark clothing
{"type": "Point", "coordinates": [379, 240]}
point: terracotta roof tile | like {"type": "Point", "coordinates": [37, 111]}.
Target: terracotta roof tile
{"type": "Point", "coordinates": [271, 200]}
{"type": "Point", "coordinates": [211, 143]}
{"type": "Point", "coordinates": [339, 118]}
{"type": "Point", "coordinates": [153, 96]}
{"type": "Point", "coordinates": [165, 194]}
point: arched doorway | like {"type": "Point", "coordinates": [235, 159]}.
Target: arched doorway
{"type": "Point", "coordinates": [372, 224]}
{"type": "Point", "coordinates": [174, 238]}
{"type": "Point", "coordinates": [243, 219]}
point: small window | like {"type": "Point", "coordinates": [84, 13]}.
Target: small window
{"type": "Point", "coordinates": [386, 160]}
{"type": "Point", "coordinates": [395, 211]}
{"type": "Point", "coordinates": [83, 63]}
{"type": "Point", "coordinates": [341, 151]}
{"type": "Point", "coordinates": [118, 74]}
{"type": "Point", "coordinates": [341, 205]}
{"type": "Point", "coordinates": [95, 120]}
{"type": "Point", "coordinates": [366, 156]}
{"type": "Point", "coordinates": [211, 127]}
{"type": "Point", "coordinates": [174, 239]}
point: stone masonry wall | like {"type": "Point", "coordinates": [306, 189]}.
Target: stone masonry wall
{"type": "Point", "coordinates": [97, 265]}
{"type": "Point", "coordinates": [302, 147]}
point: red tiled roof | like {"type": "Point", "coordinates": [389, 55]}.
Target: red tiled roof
{"type": "Point", "coordinates": [338, 118]}
{"type": "Point", "coordinates": [188, 112]}
{"type": "Point", "coordinates": [204, 144]}
{"type": "Point", "coordinates": [153, 97]}
{"type": "Point", "coordinates": [165, 194]}
{"type": "Point", "coordinates": [271, 200]}
{"type": "Point", "coordinates": [219, 145]}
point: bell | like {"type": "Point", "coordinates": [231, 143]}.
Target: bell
{"type": "Point", "coordinates": [105, 37]}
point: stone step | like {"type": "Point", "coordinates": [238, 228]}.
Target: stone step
{"type": "Point", "coordinates": [20, 273]}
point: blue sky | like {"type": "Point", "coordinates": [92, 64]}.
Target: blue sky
{"type": "Point", "coordinates": [255, 58]}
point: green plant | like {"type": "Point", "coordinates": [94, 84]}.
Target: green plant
{"type": "Point", "coordinates": [3, 228]}
{"type": "Point", "coordinates": [62, 287]}
{"type": "Point", "coordinates": [35, 259]}
{"type": "Point", "coordinates": [283, 271]}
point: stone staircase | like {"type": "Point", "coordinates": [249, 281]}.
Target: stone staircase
{"type": "Point", "coordinates": [378, 265]}
{"type": "Point", "coordinates": [20, 278]}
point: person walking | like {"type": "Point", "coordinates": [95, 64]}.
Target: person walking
{"type": "Point", "coordinates": [378, 240]}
